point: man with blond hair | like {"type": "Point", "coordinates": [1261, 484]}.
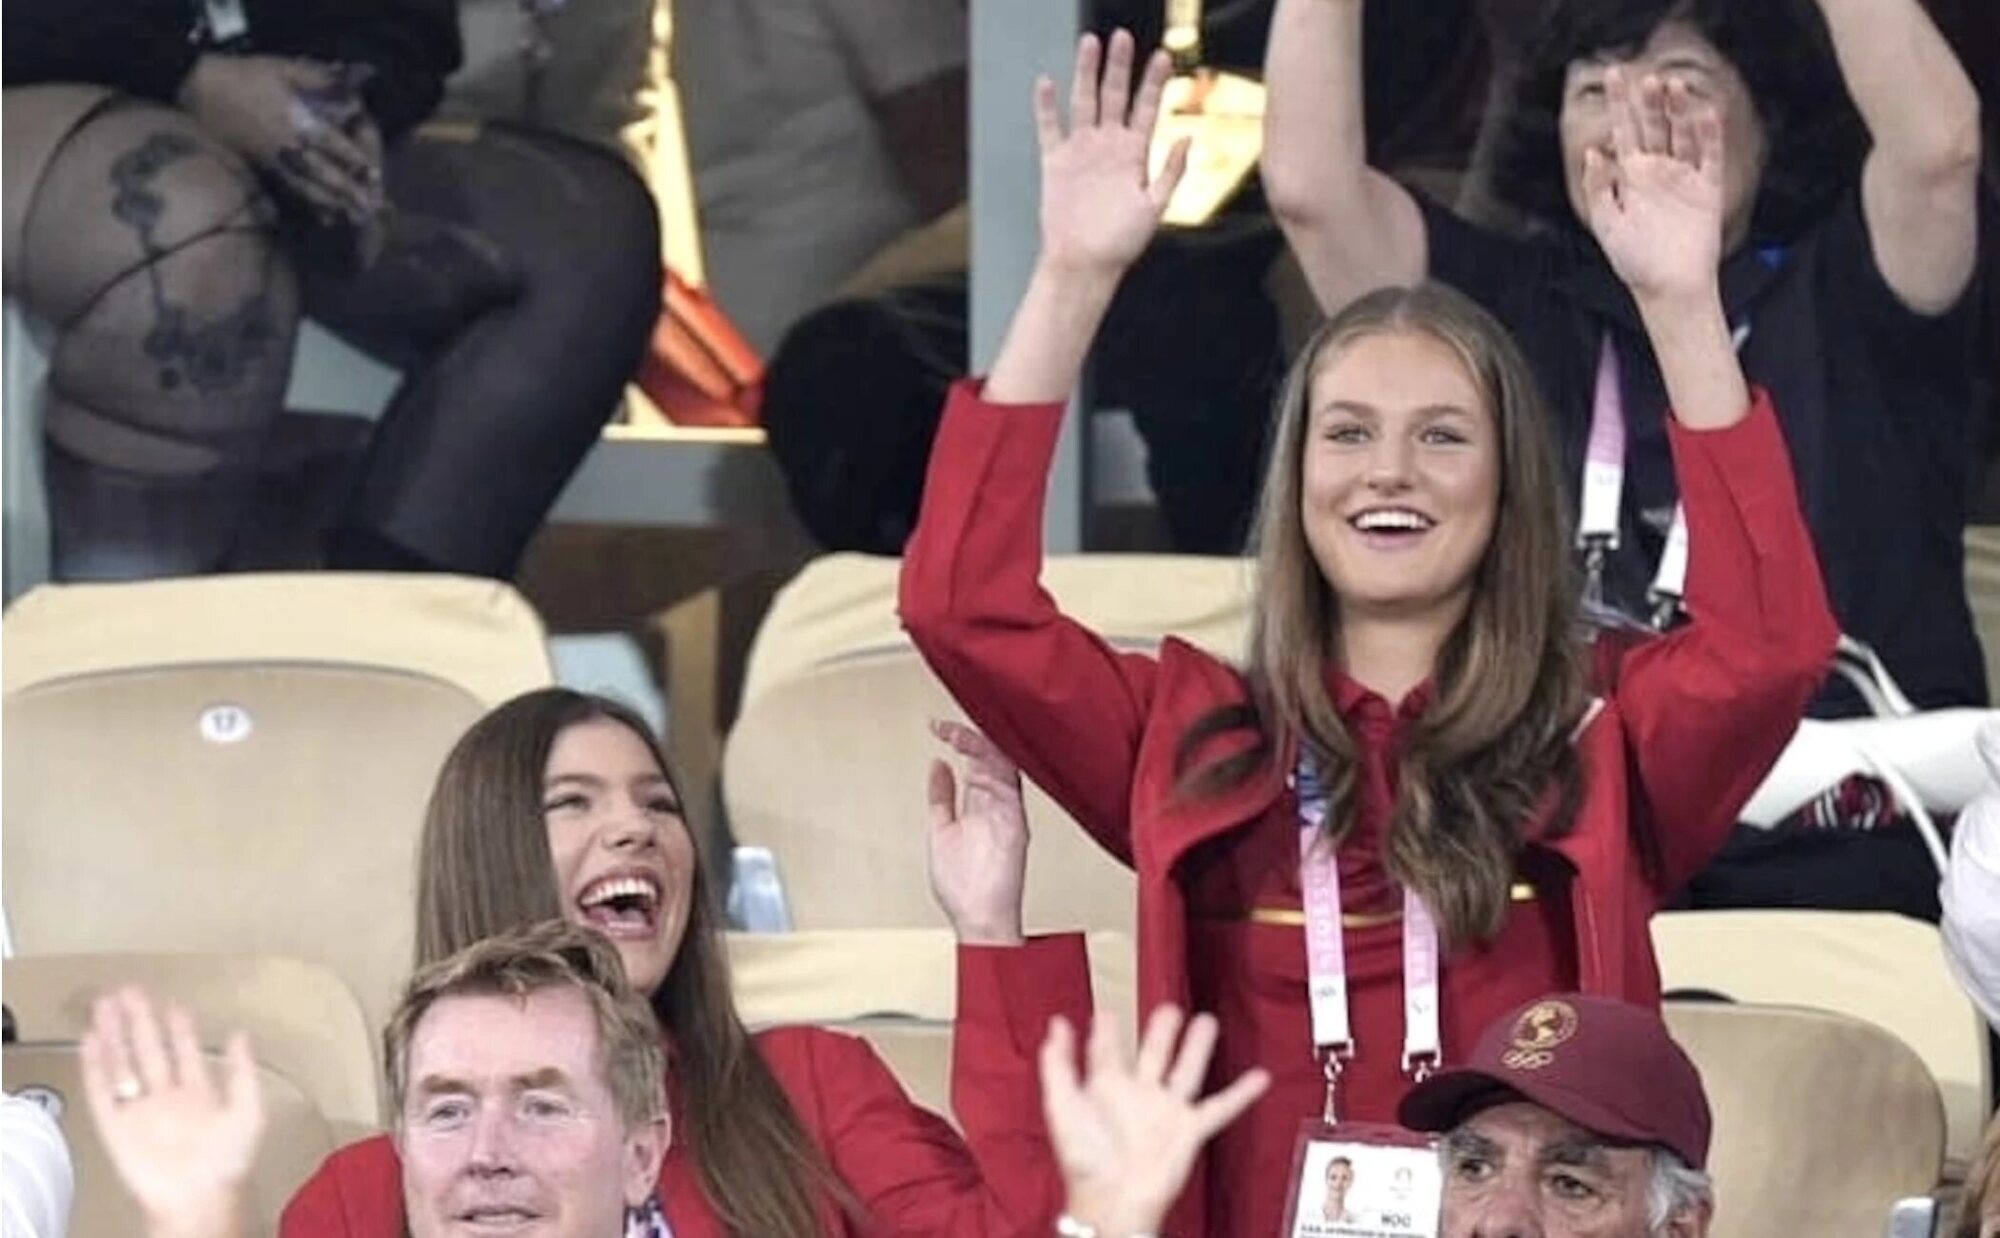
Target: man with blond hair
{"type": "Point", "coordinates": [526, 1091]}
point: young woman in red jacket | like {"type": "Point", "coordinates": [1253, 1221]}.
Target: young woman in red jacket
{"type": "Point", "coordinates": [1425, 755]}
{"type": "Point", "coordinates": [561, 804]}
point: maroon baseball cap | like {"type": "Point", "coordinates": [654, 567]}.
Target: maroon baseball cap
{"type": "Point", "coordinates": [1606, 1065]}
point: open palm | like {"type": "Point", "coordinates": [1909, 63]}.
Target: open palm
{"type": "Point", "coordinates": [1655, 203]}
{"type": "Point", "coordinates": [1127, 1135]}
{"type": "Point", "coordinates": [978, 841]}
{"type": "Point", "coordinates": [182, 1142]}
{"type": "Point", "coordinates": [1099, 205]}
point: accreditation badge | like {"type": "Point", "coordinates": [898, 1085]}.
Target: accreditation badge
{"type": "Point", "coordinates": [1361, 1180]}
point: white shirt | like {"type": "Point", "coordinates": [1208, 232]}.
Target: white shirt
{"type": "Point", "coordinates": [38, 1185]}
{"type": "Point", "coordinates": [1971, 888]}
{"type": "Point", "coordinates": [796, 185]}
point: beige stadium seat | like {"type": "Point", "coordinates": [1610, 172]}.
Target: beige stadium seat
{"type": "Point", "coordinates": [897, 988]}
{"type": "Point", "coordinates": [826, 764]}
{"type": "Point", "coordinates": [1822, 1121]}
{"type": "Point", "coordinates": [303, 1020]}
{"type": "Point", "coordinates": [844, 605]}
{"type": "Point", "coordinates": [848, 975]}
{"type": "Point", "coordinates": [828, 771]}
{"type": "Point", "coordinates": [1885, 969]}
{"type": "Point", "coordinates": [239, 764]}
{"type": "Point", "coordinates": [296, 1139]}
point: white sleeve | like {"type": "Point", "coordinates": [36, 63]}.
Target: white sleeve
{"type": "Point", "coordinates": [1970, 892]}
{"type": "Point", "coordinates": [36, 1190]}
{"type": "Point", "coordinates": [894, 44]}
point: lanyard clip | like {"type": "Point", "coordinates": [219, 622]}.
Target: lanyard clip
{"type": "Point", "coordinates": [1333, 1061]}
{"type": "Point", "coordinates": [1666, 608]}
{"type": "Point", "coordinates": [1421, 1065]}
{"type": "Point", "coordinates": [1596, 548]}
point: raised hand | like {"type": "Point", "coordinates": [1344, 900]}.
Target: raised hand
{"type": "Point", "coordinates": [1127, 1136]}
{"type": "Point", "coordinates": [978, 844]}
{"type": "Point", "coordinates": [182, 1144]}
{"type": "Point", "coordinates": [1655, 203]}
{"type": "Point", "coordinates": [1099, 206]}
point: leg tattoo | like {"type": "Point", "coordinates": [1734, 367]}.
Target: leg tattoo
{"type": "Point", "coordinates": [213, 355]}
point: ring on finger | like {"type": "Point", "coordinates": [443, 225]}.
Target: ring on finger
{"type": "Point", "coordinates": [127, 1089]}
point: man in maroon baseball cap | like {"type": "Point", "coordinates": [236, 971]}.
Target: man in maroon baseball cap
{"type": "Point", "coordinates": [1575, 1117]}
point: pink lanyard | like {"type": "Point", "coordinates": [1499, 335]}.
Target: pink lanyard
{"type": "Point", "coordinates": [1604, 491]}
{"type": "Point", "coordinates": [1326, 955]}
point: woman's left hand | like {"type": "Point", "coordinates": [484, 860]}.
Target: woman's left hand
{"type": "Point", "coordinates": [978, 845]}
{"type": "Point", "coordinates": [1655, 202]}
{"type": "Point", "coordinates": [1126, 1136]}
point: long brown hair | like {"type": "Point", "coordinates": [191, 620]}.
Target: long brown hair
{"type": "Point", "coordinates": [1982, 1187]}
{"type": "Point", "coordinates": [484, 867]}
{"type": "Point", "coordinates": [1511, 680]}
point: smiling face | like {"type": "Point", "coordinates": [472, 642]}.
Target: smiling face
{"type": "Point", "coordinates": [1400, 476]}
{"type": "Point", "coordinates": [1676, 51]}
{"type": "Point", "coordinates": [624, 859]}
{"type": "Point", "coordinates": [1518, 1171]}
{"type": "Point", "coordinates": [509, 1127]}
{"type": "Point", "coordinates": [1339, 1180]}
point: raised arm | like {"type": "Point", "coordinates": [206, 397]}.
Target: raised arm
{"type": "Point", "coordinates": [1708, 709]}
{"type": "Point", "coordinates": [1057, 700]}
{"type": "Point", "coordinates": [1099, 212]}
{"type": "Point", "coordinates": [1352, 227]}
{"type": "Point", "coordinates": [1920, 185]}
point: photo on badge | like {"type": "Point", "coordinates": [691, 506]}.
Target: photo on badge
{"type": "Point", "coordinates": [1366, 1187]}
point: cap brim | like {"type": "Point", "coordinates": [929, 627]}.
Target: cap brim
{"type": "Point", "coordinates": [1448, 1098]}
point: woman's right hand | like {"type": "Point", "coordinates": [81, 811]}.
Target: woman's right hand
{"type": "Point", "coordinates": [298, 121]}
{"type": "Point", "coordinates": [1100, 204]}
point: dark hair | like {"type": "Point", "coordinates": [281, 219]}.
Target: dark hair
{"type": "Point", "coordinates": [484, 868]}
{"type": "Point", "coordinates": [1512, 679]}
{"type": "Point", "coordinates": [1814, 139]}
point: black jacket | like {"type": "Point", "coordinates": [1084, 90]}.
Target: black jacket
{"type": "Point", "coordinates": [146, 47]}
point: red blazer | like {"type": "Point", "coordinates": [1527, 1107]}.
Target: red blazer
{"type": "Point", "coordinates": [907, 1168]}
{"type": "Point", "coordinates": [1693, 724]}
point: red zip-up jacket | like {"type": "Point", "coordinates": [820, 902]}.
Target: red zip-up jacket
{"type": "Point", "coordinates": [910, 1172]}
{"type": "Point", "coordinates": [1692, 724]}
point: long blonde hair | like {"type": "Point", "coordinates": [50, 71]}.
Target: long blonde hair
{"type": "Point", "coordinates": [1511, 681]}
{"type": "Point", "coordinates": [484, 868]}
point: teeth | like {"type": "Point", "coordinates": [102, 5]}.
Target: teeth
{"type": "Point", "coordinates": [1391, 518]}
{"type": "Point", "coordinates": [620, 887]}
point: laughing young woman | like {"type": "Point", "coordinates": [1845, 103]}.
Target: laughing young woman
{"type": "Point", "coordinates": [1423, 757]}
{"type": "Point", "coordinates": [561, 804]}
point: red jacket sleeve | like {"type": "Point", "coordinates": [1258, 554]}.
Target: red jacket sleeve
{"type": "Point", "coordinates": [1006, 997]}
{"type": "Point", "coordinates": [1709, 708]}
{"type": "Point", "coordinates": [908, 1169]}
{"type": "Point", "coordinates": [1061, 702]}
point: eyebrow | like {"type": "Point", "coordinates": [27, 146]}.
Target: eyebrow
{"type": "Point", "coordinates": [1361, 408]}
{"type": "Point", "coordinates": [592, 780]}
{"type": "Point", "coordinates": [1686, 60]}
{"type": "Point", "coordinates": [1578, 1154]}
{"type": "Point", "coordinates": [448, 1085]}
{"type": "Point", "coordinates": [1462, 1144]}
